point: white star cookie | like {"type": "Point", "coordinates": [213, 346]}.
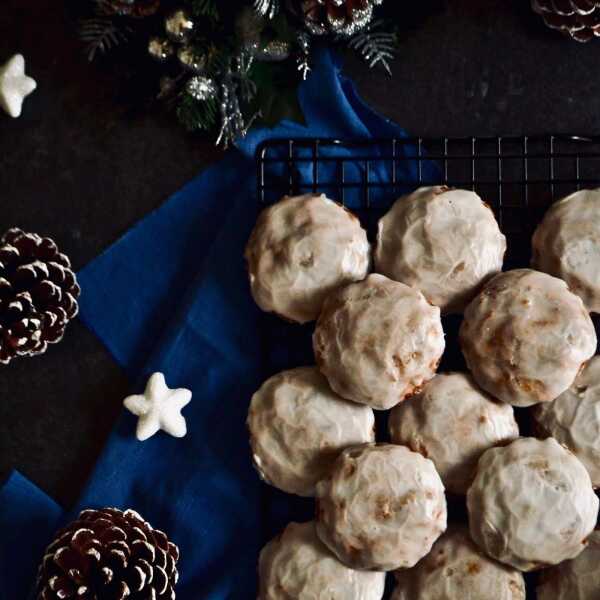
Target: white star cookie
{"type": "Point", "coordinates": [159, 408]}
{"type": "Point", "coordinates": [15, 86]}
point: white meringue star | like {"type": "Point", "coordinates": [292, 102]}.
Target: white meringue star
{"type": "Point", "coordinates": [15, 86]}
{"type": "Point", "coordinates": [159, 408]}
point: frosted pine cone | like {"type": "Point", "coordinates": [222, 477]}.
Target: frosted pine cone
{"type": "Point", "coordinates": [109, 555]}
{"type": "Point", "coordinates": [578, 18]}
{"type": "Point", "coordinates": [341, 17]}
{"type": "Point", "coordinates": [38, 294]}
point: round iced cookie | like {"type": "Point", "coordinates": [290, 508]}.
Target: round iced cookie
{"type": "Point", "coordinates": [531, 504]}
{"type": "Point", "coordinates": [444, 242]}
{"type": "Point", "coordinates": [300, 250]}
{"type": "Point", "coordinates": [567, 244]}
{"type": "Point", "coordinates": [298, 426]}
{"type": "Point", "coordinates": [378, 341]}
{"type": "Point", "coordinates": [381, 508]}
{"type": "Point", "coordinates": [525, 337]}
{"type": "Point", "coordinates": [297, 566]}
{"type": "Point", "coordinates": [456, 569]}
{"type": "Point", "coordinates": [573, 419]}
{"type": "Point", "coordinates": [577, 579]}
{"type": "Point", "coordinates": [452, 422]}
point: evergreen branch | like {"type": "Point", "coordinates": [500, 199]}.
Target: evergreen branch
{"type": "Point", "coordinates": [204, 8]}
{"type": "Point", "coordinates": [375, 47]}
{"type": "Point", "coordinates": [100, 34]}
{"type": "Point", "coordinates": [197, 116]}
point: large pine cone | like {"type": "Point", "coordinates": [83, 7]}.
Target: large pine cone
{"type": "Point", "coordinates": [341, 17]}
{"type": "Point", "coordinates": [578, 18]}
{"type": "Point", "coordinates": [109, 555]}
{"type": "Point", "coordinates": [38, 294]}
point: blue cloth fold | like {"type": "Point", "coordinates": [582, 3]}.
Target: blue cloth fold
{"type": "Point", "coordinates": [172, 296]}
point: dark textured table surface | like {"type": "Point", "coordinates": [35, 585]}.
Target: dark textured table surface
{"type": "Point", "coordinates": [78, 168]}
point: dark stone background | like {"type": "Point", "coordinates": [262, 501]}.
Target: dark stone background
{"type": "Point", "coordinates": [80, 168]}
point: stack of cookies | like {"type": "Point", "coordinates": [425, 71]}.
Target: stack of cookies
{"type": "Point", "coordinates": [527, 339]}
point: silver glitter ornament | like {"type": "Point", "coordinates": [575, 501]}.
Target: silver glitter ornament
{"type": "Point", "coordinates": [201, 88]}
{"type": "Point", "coordinates": [274, 51]}
{"type": "Point", "coordinates": [160, 49]}
{"type": "Point", "coordinates": [179, 26]}
{"type": "Point", "coordinates": [192, 61]}
{"type": "Point", "coordinates": [338, 17]}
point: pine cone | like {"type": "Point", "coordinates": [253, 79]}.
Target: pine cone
{"type": "Point", "coordinates": [38, 294]}
{"type": "Point", "coordinates": [341, 17]}
{"type": "Point", "coordinates": [109, 555]}
{"type": "Point", "coordinates": [578, 18]}
{"type": "Point", "coordinates": [130, 8]}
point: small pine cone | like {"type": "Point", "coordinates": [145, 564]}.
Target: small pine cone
{"type": "Point", "coordinates": [341, 17]}
{"type": "Point", "coordinates": [109, 555]}
{"type": "Point", "coordinates": [578, 18]}
{"type": "Point", "coordinates": [38, 294]}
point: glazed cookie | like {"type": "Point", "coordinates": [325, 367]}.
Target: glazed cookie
{"type": "Point", "coordinates": [532, 504]}
{"type": "Point", "coordinates": [573, 419]}
{"type": "Point", "coordinates": [381, 508]}
{"type": "Point", "coordinates": [298, 426]}
{"type": "Point", "coordinates": [296, 566]}
{"type": "Point", "coordinates": [526, 336]}
{"type": "Point", "coordinates": [378, 341]}
{"type": "Point", "coordinates": [300, 250]}
{"type": "Point", "coordinates": [452, 422]}
{"type": "Point", "coordinates": [456, 569]}
{"type": "Point", "coordinates": [441, 241]}
{"type": "Point", "coordinates": [577, 579]}
{"type": "Point", "coordinates": [567, 244]}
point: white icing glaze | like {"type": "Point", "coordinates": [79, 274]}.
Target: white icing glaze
{"type": "Point", "coordinates": [526, 336]}
{"type": "Point", "coordinates": [577, 579]}
{"type": "Point", "coordinates": [443, 242]}
{"type": "Point", "coordinates": [381, 508]}
{"type": "Point", "coordinates": [296, 566]}
{"type": "Point", "coordinates": [452, 422]}
{"type": "Point", "coordinates": [573, 419]}
{"type": "Point", "coordinates": [567, 244]}
{"type": "Point", "coordinates": [532, 504]}
{"type": "Point", "coordinates": [377, 341]}
{"type": "Point", "coordinates": [298, 426]}
{"type": "Point", "coordinates": [300, 250]}
{"type": "Point", "coordinates": [456, 569]}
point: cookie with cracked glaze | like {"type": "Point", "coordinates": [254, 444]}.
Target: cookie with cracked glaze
{"type": "Point", "coordinates": [381, 508]}
{"type": "Point", "coordinates": [452, 422]}
{"type": "Point", "coordinates": [531, 504]}
{"type": "Point", "coordinates": [525, 337]}
{"type": "Point", "coordinates": [298, 426]}
{"type": "Point", "coordinates": [301, 249]}
{"type": "Point", "coordinates": [444, 242]}
{"type": "Point", "coordinates": [378, 341]}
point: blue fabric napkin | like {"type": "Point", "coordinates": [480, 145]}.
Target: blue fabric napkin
{"type": "Point", "coordinates": [172, 296]}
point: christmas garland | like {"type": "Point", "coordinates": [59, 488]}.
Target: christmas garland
{"type": "Point", "coordinates": [222, 66]}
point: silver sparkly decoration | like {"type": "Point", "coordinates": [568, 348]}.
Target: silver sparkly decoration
{"type": "Point", "coordinates": [303, 59]}
{"type": "Point", "coordinates": [375, 47]}
{"type": "Point", "coordinates": [235, 85]}
{"type": "Point", "coordinates": [201, 88]}
{"type": "Point", "coordinates": [190, 60]}
{"type": "Point", "coordinates": [179, 26]}
{"type": "Point", "coordinates": [160, 49]}
{"type": "Point", "coordinates": [266, 8]}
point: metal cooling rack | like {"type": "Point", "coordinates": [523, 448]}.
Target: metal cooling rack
{"type": "Point", "coordinates": [519, 177]}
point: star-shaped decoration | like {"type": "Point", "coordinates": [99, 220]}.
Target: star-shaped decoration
{"type": "Point", "coordinates": [15, 86]}
{"type": "Point", "coordinates": [159, 408]}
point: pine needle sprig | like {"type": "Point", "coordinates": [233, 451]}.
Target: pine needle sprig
{"type": "Point", "coordinates": [375, 47]}
{"type": "Point", "coordinates": [198, 116]}
{"type": "Point", "coordinates": [100, 34]}
{"type": "Point", "coordinates": [204, 8]}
